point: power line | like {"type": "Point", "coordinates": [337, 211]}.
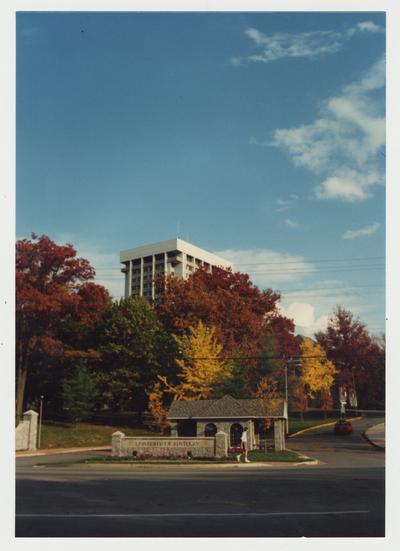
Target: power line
{"type": "Point", "coordinates": [267, 262]}
{"type": "Point", "coordinates": [311, 271]}
{"type": "Point", "coordinates": [329, 288]}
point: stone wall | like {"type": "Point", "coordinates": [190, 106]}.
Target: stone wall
{"type": "Point", "coordinates": [26, 432]}
{"type": "Point", "coordinates": [159, 446]}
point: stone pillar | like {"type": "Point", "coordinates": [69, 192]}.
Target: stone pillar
{"type": "Point", "coordinates": [32, 418]}
{"type": "Point", "coordinates": [174, 429]}
{"type": "Point", "coordinates": [116, 443]}
{"type": "Point", "coordinates": [221, 444]}
{"type": "Point", "coordinates": [200, 428]}
{"type": "Point", "coordinates": [279, 435]}
{"type": "Point", "coordinates": [251, 444]}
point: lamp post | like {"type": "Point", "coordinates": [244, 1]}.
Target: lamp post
{"type": "Point", "coordinates": [40, 420]}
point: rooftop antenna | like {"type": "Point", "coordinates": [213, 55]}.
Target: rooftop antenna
{"type": "Point", "coordinates": [178, 227]}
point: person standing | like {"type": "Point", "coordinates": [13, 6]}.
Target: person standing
{"type": "Point", "coordinates": [243, 445]}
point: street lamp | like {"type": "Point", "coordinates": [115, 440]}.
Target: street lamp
{"type": "Point", "coordinates": [40, 420]}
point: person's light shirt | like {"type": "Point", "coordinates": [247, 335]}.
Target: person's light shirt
{"type": "Point", "coordinates": [244, 436]}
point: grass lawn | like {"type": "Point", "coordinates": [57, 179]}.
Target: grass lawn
{"type": "Point", "coordinates": [254, 456]}
{"type": "Point", "coordinates": [297, 424]}
{"type": "Point", "coordinates": [63, 435]}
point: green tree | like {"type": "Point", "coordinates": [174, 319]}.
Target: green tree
{"type": "Point", "coordinates": [134, 349]}
{"type": "Point", "coordinates": [78, 393]}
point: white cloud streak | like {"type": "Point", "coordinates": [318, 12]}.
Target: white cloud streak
{"type": "Point", "coordinates": [266, 267]}
{"type": "Point", "coordinates": [362, 232]}
{"type": "Point", "coordinates": [307, 44]}
{"type": "Point", "coordinates": [291, 223]}
{"type": "Point", "coordinates": [342, 146]}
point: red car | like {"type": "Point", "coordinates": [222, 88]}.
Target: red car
{"type": "Point", "coordinates": [343, 427]}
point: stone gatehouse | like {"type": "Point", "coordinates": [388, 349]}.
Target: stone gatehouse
{"type": "Point", "coordinates": [202, 418]}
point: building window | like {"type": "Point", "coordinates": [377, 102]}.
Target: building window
{"type": "Point", "coordinates": [210, 429]}
{"type": "Point", "coordinates": [236, 433]}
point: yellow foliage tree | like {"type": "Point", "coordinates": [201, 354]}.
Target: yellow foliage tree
{"type": "Point", "coordinates": [317, 372]}
{"type": "Point", "coordinates": [156, 406]}
{"type": "Point", "coordinates": [201, 366]}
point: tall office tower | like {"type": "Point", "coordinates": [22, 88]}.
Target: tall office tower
{"type": "Point", "coordinates": [173, 257]}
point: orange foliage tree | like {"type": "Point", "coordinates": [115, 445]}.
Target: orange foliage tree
{"type": "Point", "coordinates": [53, 291]}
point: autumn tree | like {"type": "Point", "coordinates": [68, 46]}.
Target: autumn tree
{"type": "Point", "coordinates": [133, 345]}
{"type": "Point", "coordinates": [201, 367]}
{"type": "Point", "coordinates": [241, 313]}
{"type": "Point", "coordinates": [317, 372]}
{"type": "Point", "coordinates": [358, 357]}
{"type": "Point", "coordinates": [53, 290]}
{"type": "Point", "coordinates": [297, 395]}
{"type": "Point", "coordinates": [157, 407]}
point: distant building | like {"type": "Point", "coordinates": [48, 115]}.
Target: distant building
{"type": "Point", "coordinates": [173, 257]}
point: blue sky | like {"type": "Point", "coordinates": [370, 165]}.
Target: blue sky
{"type": "Point", "coordinates": [260, 136]}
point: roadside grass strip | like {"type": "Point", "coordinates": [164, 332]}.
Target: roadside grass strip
{"type": "Point", "coordinates": [320, 426]}
{"type": "Point", "coordinates": [255, 456]}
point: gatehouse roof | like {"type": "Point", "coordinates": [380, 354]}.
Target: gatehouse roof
{"type": "Point", "coordinates": [228, 408]}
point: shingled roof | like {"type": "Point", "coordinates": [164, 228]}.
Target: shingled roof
{"type": "Point", "coordinates": [227, 407]}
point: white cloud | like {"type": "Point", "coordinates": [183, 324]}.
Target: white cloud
{"type": "Point", "coordinates": [307, 44]}
{"type": "Point", "coordinates": [291, 223]}
{"type": "Point", "coordinates": [286, 204]}
{"type": "Point", "coordinates": [369, 26]}
{"type": "Point", "coordinates": [344, 143]}
{"type": "Point", "coordinates": [266, 267]}
{"type": "Point", "coordinates": [366, 231]}
{"type": "Point", "coordinates": [303, 315]}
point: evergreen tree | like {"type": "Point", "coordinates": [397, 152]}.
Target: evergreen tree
{"type": "Point", "coordinates": [78, 393]}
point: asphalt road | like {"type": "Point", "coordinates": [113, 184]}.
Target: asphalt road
{"type": "Point", "coordinates": [341, 497]}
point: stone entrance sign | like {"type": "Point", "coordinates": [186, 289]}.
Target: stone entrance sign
{"type": "Point", "coordinates": [126, 446]}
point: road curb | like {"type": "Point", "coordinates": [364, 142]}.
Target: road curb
{"type": "Point", "coordinates": [330, 424]}
{"type": "Point", "coordinates": [378, 446]}
{"type": "Point", "coordinates": [200, 466]}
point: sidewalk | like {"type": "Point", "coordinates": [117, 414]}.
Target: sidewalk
{"type": "Point", "coordinates": [376, 435]}
{"type": "Point", "coordinates": [55, 451]}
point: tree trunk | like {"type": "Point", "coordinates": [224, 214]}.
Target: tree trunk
{"type": "Point", "coordinates": [22, 371]}
{"type": "Point", "coordinates": [21, 382]}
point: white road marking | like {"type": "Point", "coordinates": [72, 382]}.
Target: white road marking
{"type": "Point", "coordinates": [143, 515]}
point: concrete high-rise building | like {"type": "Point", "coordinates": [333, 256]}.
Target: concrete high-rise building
{"type": "Point", "coordinates": [173, 257]}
